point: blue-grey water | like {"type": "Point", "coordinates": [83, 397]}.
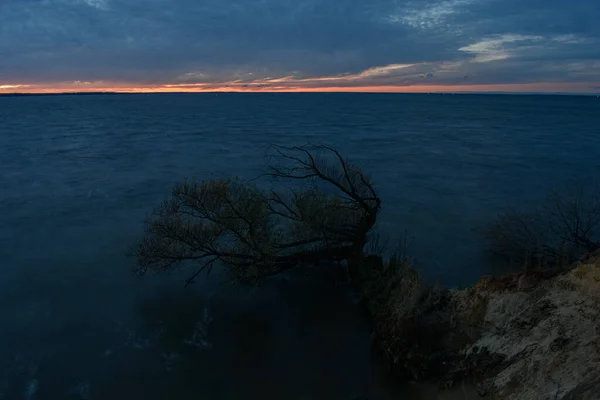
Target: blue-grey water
{"type": "Point", "coordinates": [79, 173]}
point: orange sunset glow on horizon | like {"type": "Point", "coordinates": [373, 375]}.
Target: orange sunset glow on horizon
{"type": "Point", "coordinates": [574, 88]}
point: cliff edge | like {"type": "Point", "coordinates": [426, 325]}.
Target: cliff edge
{"type": "Point", "coordinates": [529, 335]}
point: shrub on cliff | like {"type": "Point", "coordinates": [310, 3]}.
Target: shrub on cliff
{"type": "Point", "coordinates": [411, 318]}
{"type": "Point", "coordinates": [255, 232]}
{"type": "Point", "coordinates": [566, 226]}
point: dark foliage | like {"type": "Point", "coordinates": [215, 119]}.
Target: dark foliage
{"type": "Point", "coordinates": [565, 227]}
{"type": "Point", "coordinates": [325, 216]}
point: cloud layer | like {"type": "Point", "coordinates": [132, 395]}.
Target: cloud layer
{"type": "Point", "coordinates": [297, 44]}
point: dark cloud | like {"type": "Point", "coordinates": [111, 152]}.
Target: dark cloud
{"type": "Point", "coordinates": [185, 42]}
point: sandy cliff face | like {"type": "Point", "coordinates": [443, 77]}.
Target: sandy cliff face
{"type": "Point", "coordinates": [543, 331]}
{"type": "Point", "coordinates": [530, 335]}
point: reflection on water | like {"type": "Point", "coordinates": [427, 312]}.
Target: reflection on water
{"type": "Point", "coordinates": [302, 336]}
{"type": "Point", "coordinates": [291, 338]}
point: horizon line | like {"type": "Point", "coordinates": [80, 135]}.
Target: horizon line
{"type": "Point", "coordinates": [117, 92]}
{"type": "Point", "coordinates": [275, 86]}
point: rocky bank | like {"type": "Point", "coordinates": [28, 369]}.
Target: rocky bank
{"type": "Point", "coordinates": [529, 335]}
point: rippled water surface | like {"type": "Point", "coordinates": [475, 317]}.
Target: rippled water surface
{"type": "Point", "coordinates": [79, 173]}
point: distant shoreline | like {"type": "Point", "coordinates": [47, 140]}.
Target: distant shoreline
{"type": "Point", "coordinates": [305, 93]}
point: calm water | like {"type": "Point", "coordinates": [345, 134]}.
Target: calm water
{"type": "Point", "coordinates": [78, 174]}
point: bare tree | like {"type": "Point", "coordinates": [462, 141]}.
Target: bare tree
{"type": "Point", "coordinates": [518, 234]}
{"type": "Point", "coordinates": [574, 215]}
{"type": "Point", "coordinates": [567, 225]}
{"type": "Point", "coordinates": [256, 232]}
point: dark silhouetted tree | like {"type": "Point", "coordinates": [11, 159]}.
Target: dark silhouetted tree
{"type": "Point", "coordinates": [566, 226]}
{"type": "Point", "coordinates": [255, 232]}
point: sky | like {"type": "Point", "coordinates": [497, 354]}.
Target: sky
{"type": "Point", "coordinates": [300, 45]}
